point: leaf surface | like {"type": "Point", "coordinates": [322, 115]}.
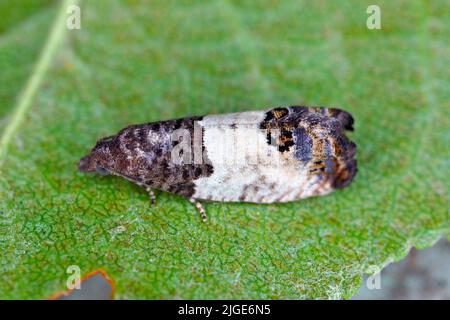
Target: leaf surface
{"type": "Point", "coordinates": [141, 61]}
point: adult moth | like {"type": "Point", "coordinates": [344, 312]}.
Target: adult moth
{"type": "Point", "coordinates": [278, 155]}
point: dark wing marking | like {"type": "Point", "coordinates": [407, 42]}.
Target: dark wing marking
{"type": "Point", "coordinates": [343, 116]}
{"type": "Point", "coordinates": [316, 136]}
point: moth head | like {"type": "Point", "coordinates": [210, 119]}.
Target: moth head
{"type": "Point", "coordinates": [99, 160]}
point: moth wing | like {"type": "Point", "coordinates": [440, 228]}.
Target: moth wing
{"type": "Point", "coordinates": [317, 139]}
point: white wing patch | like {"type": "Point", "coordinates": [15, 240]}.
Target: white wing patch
{"type": "Point", "coordinates": [246, 167]}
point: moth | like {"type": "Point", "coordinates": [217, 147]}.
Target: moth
{"type": "Point", "coordinates": [278, 155]}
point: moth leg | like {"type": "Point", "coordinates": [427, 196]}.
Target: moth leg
{"type": "Point", "coordinates": [152, 195]}
{"type": "Point", "coordinates": [199, 208]}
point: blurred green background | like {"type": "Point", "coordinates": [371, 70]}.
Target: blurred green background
{"type": "Point", "coordinates": [141, 61]}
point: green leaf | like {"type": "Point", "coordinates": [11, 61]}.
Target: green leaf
{"type": "Point", "coordinates": [140, 61]}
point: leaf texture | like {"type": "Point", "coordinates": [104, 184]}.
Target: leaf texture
{"type": "Point", "coordinates": [140, 61]}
